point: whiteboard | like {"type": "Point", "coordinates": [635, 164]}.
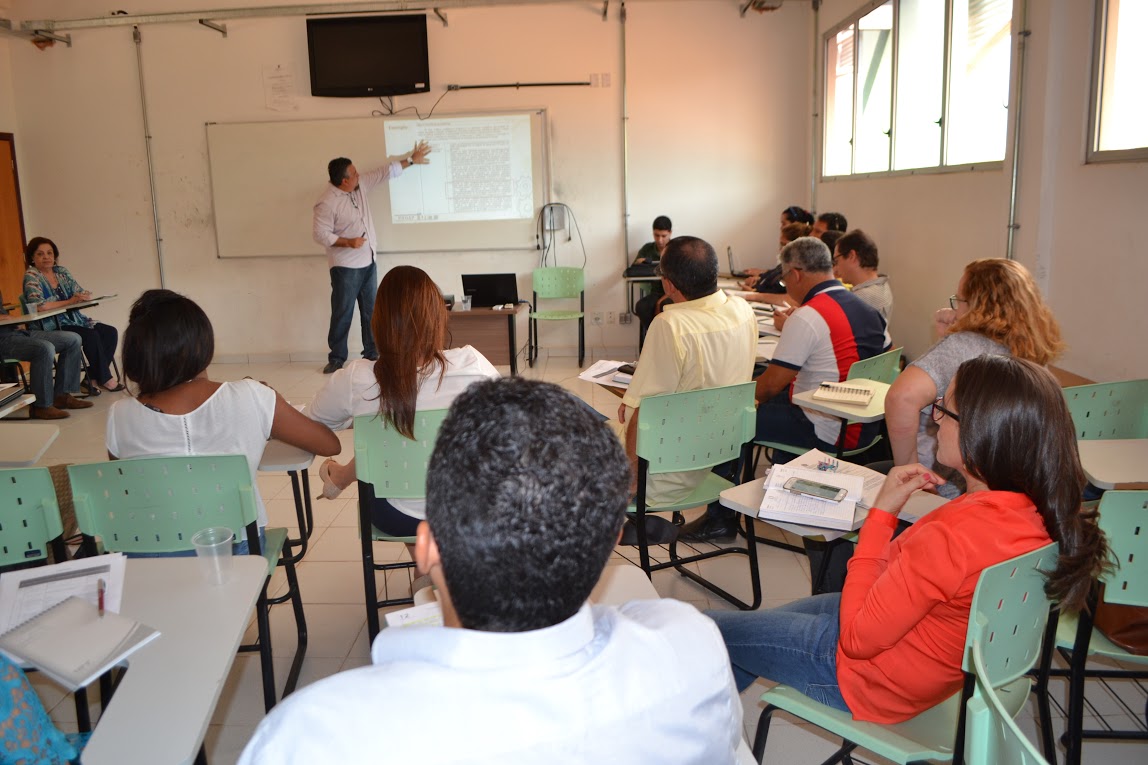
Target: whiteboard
{"type": "Point", "coordinates": [488, 178]}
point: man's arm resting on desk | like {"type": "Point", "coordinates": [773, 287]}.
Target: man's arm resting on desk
{"type": "Point", "coordinates": [775, 379]}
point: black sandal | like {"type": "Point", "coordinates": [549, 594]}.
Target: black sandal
{"type": "Point", "coordinates": [89, 388]}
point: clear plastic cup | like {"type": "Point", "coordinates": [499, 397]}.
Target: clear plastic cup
{"type": "Point", "coordinates": [465, 305]}
{"type": "Point", "coordinates": [213, 548]}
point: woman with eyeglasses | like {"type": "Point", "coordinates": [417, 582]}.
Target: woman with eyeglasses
{"type": "Point", "coordinates": [890, 645]}
{"type": "Point", "coordinates": [997, 309]}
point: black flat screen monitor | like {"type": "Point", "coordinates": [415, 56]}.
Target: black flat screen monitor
{"type": "Point", "coordinates": [488, 290]}
{"type": "Point", "coordinates": [366, 56]}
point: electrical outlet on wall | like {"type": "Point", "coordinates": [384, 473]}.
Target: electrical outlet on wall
{"type": "Point", "coordinates": [625, 317]}
{"type": "Point", "coordinates": [611, 318]}
{"type": "Point", "coordinates": [596, 318]}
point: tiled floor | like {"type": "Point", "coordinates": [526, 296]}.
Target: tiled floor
{"type": "Point", "coordinates": [330, 579]}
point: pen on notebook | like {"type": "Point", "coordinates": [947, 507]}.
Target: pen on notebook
{"type": "Point", "coordinates": [100, 587]}
{"type": "Point", "coordinates": [608, 371]}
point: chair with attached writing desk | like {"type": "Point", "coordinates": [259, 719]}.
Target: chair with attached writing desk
{"type": "Point", "coordinates": [52, 324]}
{"type": "Point", "coordinates": [1109, 410]}
{"type": "Point", "coordinates": [1124, 521]}
{"type": "Point", "coordinates": [1008, 617]}
{"type": "Point", "coordinates": [156, 504]}
{"type": "Point", "coordinates": [695, 430]}
{"type": "Point", "coordinates": [555, 283]}
{"type": "Point", "coordinates": [388, 464]}
{"type": "Point", "coordinates": [30, 527]}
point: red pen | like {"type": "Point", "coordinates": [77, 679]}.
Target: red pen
{"type": "Point", "coordinates": [100, 586]}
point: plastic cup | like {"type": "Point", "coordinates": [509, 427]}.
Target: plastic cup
{"type": "Point", "coordinates": [30, 309]}
{"type": "Point", "coordinates": [213, 548]}
{"type": "Point", "coordinates": [465, 303]}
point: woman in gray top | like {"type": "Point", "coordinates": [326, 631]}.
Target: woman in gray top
{"type": "Point", "coordinates": [997, 309]}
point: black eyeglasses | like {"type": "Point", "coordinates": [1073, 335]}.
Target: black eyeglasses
{"type": "Point", "coordinates": [784, 274]}
{"type": "Point", "coordinates": [940, 410]}
{"type": "Point", "coordinates": [953, 300]}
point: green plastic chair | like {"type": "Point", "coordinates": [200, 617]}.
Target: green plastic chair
{"type": "Point", "coordinates": [1109, 410]}
{"type": "Point", "coordinates": [1008, 616]}
{"type": "Point", "coordinates": [393, 466]}
{"type": "Point", "coordinates": [558, 283]}
{"type": "Point", "coordinates": [695, 430]}
{"type": "Point", "coordinates": [992, 736]}
{"type": "Point", "coordinates": [156, 505]}
{"type": "Point", "coordinates": [1124, 521]}
{"type": "Point", "coordinates": [30, 522]}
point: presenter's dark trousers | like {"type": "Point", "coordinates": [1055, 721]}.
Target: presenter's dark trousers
{"type": "Point", "coordinates": [100, 342]}
{"type": "Point", "coordinates": [348, 287]}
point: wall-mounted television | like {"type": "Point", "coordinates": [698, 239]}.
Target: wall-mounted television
{"type": "Point", "coordinates": [366, 56]}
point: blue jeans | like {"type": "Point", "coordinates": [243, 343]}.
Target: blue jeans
{"type": "Point", "coordinates": [348, 287]}
{"type": "Point", "coordinates": [40, 349]}
{"type": "Point", "coordinates": [794, 644]}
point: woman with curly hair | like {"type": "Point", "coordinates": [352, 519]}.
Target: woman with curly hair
{"type": "Point", "coordinates": [997, 309]}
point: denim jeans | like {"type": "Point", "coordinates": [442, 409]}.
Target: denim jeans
{"type": "Point", "coordinates": [794, 644]}
{"type": "Point", "coordinates": [778, 419]}
{"type": "Point", "coordinates": [348, 287]}
{"type": "Point", "coordinates": [40, 349]}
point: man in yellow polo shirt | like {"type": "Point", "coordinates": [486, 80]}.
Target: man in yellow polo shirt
{"type": "Point", "coordinates": [705, 339]}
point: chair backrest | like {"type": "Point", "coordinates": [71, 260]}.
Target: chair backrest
{"type": "Point", "coordinates": [991, 735]}
{"type": "Point", "coordinates": [695, 429]}
{"type": "Point", "coordinates": [156, 504]}
{"type": "Point", "coordinates": [1008, 615]}
{"type": "Point", "coordinates": [1124, 520]}
{"type": "Point", "coordinates": [883, 368]}
{"type": "Point", "coordinates": [1109, 410]}
{"type": "Point", "coordinates": [394, 464]}
{"type": "Point", "coordinates": [29, 515]}
{"type": "Point", "coordinates": [558, 282]}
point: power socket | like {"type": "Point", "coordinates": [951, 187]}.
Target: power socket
{"type": "Point", "coordinates": [596, 318]}
{"type": "Point", "coordinates": [611, 317]}
{"type": "Point", "coordinates": [625, 317]}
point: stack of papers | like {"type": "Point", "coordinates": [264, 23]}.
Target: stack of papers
{"type": "Point", "coordinates": [605, 372]}
{"type": "Point", "coordinates": [780, 504]}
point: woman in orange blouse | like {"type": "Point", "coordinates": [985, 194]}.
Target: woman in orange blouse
{"type": "Point", "coordinates": [889, 646]}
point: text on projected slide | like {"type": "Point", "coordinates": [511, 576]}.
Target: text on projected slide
{"type": "Point", "coordinates": [480, 169]}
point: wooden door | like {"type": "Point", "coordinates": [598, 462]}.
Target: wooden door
{"type": "Point", "coordinates": [11, 224]}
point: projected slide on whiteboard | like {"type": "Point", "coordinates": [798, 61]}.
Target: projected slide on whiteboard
{"type": "Point", "coordinates": [480, 170]}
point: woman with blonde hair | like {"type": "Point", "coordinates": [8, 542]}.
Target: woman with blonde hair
{"type": "Point", "coordinates": [414, 371]}
{"type": "Point", "coordinates": [997, 309]}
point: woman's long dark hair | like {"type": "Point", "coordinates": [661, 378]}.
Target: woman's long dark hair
{"type": "Point", "coordinates": [1016, 434]}
{"type": "Point", "coordinates": [409, 326]}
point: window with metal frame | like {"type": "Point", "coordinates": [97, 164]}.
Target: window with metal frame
{"type": "Point", "coordinates": [1118, 128]}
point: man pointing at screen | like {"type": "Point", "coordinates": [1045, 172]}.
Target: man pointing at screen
{"type": "Point", "coordinates": [342, 224]}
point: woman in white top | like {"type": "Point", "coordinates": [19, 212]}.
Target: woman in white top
{"type": "Point", "coordinates": [413, 372]}
{"type": "Point", "coordinates": [178, 411]}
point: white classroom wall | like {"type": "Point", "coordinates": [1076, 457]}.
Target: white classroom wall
{"type": "Point", "coordinates": [1078, 223]}
{"type": "Point", "coordinates": [712, 143]}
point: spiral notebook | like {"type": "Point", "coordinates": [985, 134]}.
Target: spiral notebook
{"type": "Point", "coordinates": [74, 644]}
{"type": "Point", "coordinates": [844, 393]}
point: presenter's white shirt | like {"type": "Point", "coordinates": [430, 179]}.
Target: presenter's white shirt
{"type": "Point", "coordinates": [353, 391]}
{"type": "Point", "coordinates": [236, 419]}
{"type": "Point", "coordinates": [346, 214]}
{"type": "Point", "coordinates": [646, 682]}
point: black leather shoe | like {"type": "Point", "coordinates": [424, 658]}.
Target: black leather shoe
{"type": "Point", "coordinates": [710, 529]}
{"type": "Point", "coordinates": [659, 531]}
{"type": "Point", "coordinates": [332, 367]}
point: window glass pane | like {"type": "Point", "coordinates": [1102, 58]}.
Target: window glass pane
{"type": "Point", "coordinates": [1124, 70]}
{"type": "Point", "coordinates": [920, 72]}
{"type": "Point", "coordinates": [874, 90]}
{"type": "Point", "coordinates": [979, 81]}
{"type": "Point", "coordinates": [839, 104]}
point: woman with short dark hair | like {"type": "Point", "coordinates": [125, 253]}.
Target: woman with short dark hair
{"type": "Point", "coordinates": [178, 411]}
{"type": "Point", "coordinates": [49, 285]}
{"type": "Point", "coordinates": [890, 645]}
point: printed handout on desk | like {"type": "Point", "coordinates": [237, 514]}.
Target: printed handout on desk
{"type": "Point", "coordinates": [28, 593]}
{"type": "Point", "coordinates": [605, 372]}
{"type": "Point", "coordinates": [424, 615]}
{"type": "Point", "coordinates": [766, 327]}
{"type": "Point", "coordinates": [780, 504]}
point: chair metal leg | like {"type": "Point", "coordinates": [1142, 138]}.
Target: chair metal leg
{"type": "Point", "coordinates": [262, 614]}
{"type": "Point", "coordinates": [201, 756]}
{"type": "Point", "coordinates": [300, 627]}
{"type": "Point", "coordinates": [83, 716]}
{"type": "Point", "coordinates": [581, 341]}
{"type": "Point", "coordinates": [762, 734]}
{"type": "Point", "coordinates": [370, 593]}
{"type": "Point", "coordinates": [1040, 688]}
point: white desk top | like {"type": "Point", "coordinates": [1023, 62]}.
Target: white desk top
{"type": "Point", "coordinates": [279, 457]}
{"type": "Point", "coordinates": [765, 348]}
{"type": "Point", "coordinates": [7, 321]}
{"type": "Point", "coordinates": [747, 499]}
{"type": "Point", "coordinates": [871, 412]}
{"type": "Point", "coordinates": [25, 443]}
{"type": "Point", "coordinates": [1114, 461]}
{"type": "Point", "coordinates": [15, 404]}
{"type": "Point", "coordinates": [161, 710]}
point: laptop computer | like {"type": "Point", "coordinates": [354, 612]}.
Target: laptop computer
{"type": "Point", "coordinates": [10, 392]}
{"type": "Point", "coordinates": [733, 271]}
{"type": "Point", "coordinates": [488, 290]}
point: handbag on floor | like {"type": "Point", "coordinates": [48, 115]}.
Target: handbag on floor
{"type": "Point", "coordinates": [1126, 626]}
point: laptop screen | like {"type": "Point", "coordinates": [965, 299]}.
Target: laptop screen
{"type": "Point", "coordinates": [487, 290]}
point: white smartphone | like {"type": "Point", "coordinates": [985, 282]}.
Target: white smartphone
{"type": "Point", "coordinates": [814, 489]}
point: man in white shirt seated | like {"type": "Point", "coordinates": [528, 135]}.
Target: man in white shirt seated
{"type": "Point", "coordinates": [526, 494]}
{"type": "Point", "coordinates": [855, 262]}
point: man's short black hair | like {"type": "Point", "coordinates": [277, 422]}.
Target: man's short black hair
{"type": "Point", "coordinates": [663, 223]}
{"type": "Point", "coordinates": [691, 265]}
{"type": "Point", "coordinates": [861, 243]}
{"type": "Point", "coordinates": [168, 341]}
{"type": "Point", "coordinates": [337, 170]}
{"type": "Point", "coordinates": [831, 238]}
{"type": "Point", "coordinates": [834, 221]}
{"type": "Point", "coordinates": [526, 494]}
